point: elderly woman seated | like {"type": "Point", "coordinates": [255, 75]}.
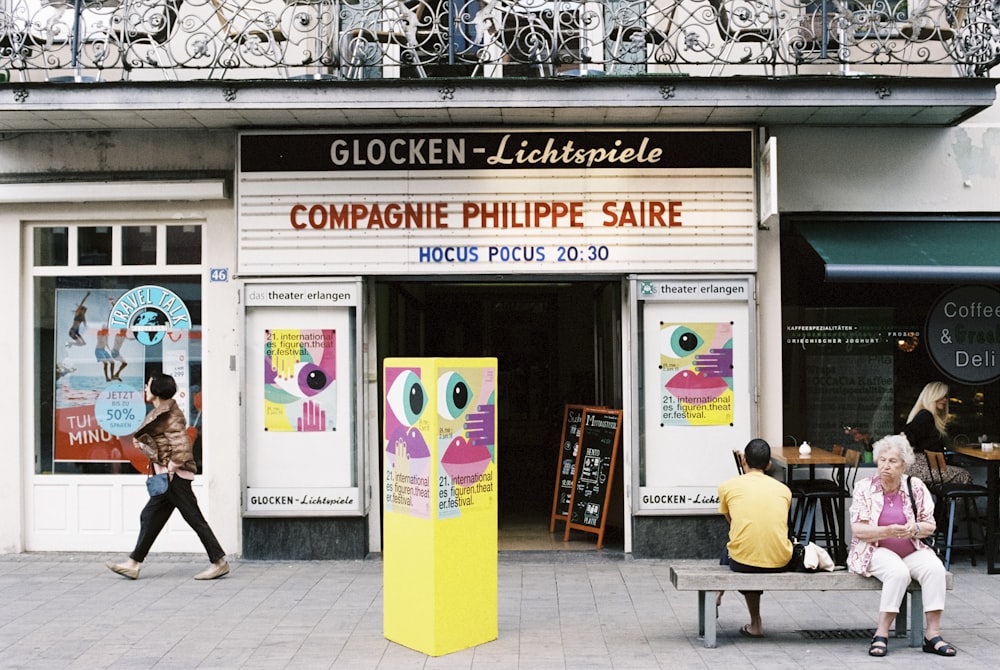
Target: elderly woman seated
{"type": "Point", "coordinates": [890, 514]}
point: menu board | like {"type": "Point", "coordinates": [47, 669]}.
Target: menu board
{"type": "Point", "coordinates": [595, 466]}
{"type": "Point", "coordinates": [568, 447]}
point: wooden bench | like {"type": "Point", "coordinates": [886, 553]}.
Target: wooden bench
{"type": "Point", "coordinates": [708, 578]}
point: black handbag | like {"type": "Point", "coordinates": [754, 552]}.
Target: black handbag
{"type": "Point", "coordinates": [798, 562]}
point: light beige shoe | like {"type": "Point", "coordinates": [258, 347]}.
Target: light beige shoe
{"type": "Point", "coordinates": [123, 570]}
{"type": "Point", "coordinates": [214, 571]}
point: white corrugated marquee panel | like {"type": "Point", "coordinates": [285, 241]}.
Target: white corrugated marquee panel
{"type": "Point", "coordinates": [717, 231]}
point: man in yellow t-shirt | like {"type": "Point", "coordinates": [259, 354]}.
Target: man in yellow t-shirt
{"type": "Point", "coordinates": [756, 506]}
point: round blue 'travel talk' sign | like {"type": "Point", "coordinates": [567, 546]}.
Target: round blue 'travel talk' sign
{"type": "Point", "coordinates": [149, 312]}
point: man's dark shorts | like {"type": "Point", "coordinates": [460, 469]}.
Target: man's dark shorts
{"type": "Point", "coordinates": [793, 565]}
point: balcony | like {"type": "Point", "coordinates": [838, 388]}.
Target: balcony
{"type": "Point", "coordinates": [77, 41]}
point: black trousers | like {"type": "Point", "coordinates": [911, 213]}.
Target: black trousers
{"type": "Point", "coordinates": [157, 512]}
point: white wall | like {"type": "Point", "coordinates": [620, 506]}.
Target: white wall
{"type": "Point", "coordinates": [12, 464]}
{"type": "Point", "coordinates": [222, 377]}
{"type": "Point", "coordinates": [932, 170]}
{"type": "Point", "coordinates": [769, 374]}
{"type": "Point", "coordinates": [96, 152]}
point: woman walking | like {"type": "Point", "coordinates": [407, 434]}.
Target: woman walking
{"type": "Point", "coordinates": [162, 437]}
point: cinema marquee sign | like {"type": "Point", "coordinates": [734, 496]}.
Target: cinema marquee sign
{"type": "Point", "coordinates": [485, 201]}
{"type": "Point", "coordinates": [626, 149]}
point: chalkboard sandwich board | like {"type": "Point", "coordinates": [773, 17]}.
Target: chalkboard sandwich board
{"type": "Point", "coordinates": [595, 466]}
{"type": "Point", "coordinates": [568, 445]}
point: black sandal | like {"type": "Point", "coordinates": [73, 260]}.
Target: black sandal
{"type": "Point", "coordinates": [881, 651]}
{"type": "Point", "coordinates": [931, 647]}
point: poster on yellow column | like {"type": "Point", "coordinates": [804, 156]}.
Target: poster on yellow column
{"type": "Point", "coordinates": [466, 441]}
{"type": "Point", "coordinates": [440, 502]}
{"type": "Point", "coordinates": [409, 435]}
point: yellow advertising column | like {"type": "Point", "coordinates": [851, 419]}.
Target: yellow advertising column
{"type": "Point", "coordinates": [439, 492]}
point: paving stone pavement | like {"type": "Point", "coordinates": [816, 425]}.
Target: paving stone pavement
{"type": "Point", "coordinates": [556, 610]}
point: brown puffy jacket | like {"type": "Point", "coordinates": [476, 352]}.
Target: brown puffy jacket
{"type": "Point", "coordinates": [163, 434]}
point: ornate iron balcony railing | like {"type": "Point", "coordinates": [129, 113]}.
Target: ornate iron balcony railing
{"type": "Point", "coordinates": [250, 39]}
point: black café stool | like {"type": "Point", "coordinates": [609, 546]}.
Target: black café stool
{"type": "Point", "coordinates": [948, 495]}
{"type": "Point", "coordinates": [826, 495]}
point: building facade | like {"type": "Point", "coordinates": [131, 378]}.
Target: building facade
{"type": "Point", "coordinates": [720, 258]}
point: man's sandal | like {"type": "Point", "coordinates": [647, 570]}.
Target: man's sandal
{"type": "Point", "coordinates": [931, 646]}
{"type": "Point", "coordinates": [880, 646]}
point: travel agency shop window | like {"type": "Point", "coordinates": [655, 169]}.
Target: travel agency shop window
{"type": "Point", "coordinates": [873, 310]}
{"type": "Point", "coordinates": [112, 303]}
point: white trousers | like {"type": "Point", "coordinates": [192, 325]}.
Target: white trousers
{"type": "Point", "coordinates": [895, 574]}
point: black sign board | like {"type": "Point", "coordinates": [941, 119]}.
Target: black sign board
{"type": "Point", "coordinates": [490, 150]}
{"type": "Point", "coordinates": [568, 447]}
{"type": "Point", "coordinates": [963, 329]}
{"type": "Point", "coordinates": [595, 466]}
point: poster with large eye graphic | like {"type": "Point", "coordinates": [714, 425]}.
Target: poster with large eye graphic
{"type": "Point", "coordinates": [439, 494]}
{"type": "Point", "coordinates": [696, 374]}
{"type": "Point", "coordinates": [300, 380]}
{"type": "Point", "coordinates": [466, 440]}
{"type": "Point", "coordinates": [409, 428]}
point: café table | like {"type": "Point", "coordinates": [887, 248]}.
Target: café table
{"type": "Point", "coordinates": [790, 459]}
{"type": "Point", "coordinates": [991, 459]}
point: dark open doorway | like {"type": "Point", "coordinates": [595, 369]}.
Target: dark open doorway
{"type": "Point", "coordinates": [556, 342]}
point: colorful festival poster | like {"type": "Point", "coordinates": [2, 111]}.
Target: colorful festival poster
{"type": "Point", "coordinates": [407, 451]}
{"type": "Point", "coordinates": [300, 380]}
{"type": "Point", "coordinates": [466, 440]}
{"type": "Point", "coordinates": [696, 374]}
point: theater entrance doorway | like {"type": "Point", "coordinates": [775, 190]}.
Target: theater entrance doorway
{"type": "Point", "coordinates": [557, 342]}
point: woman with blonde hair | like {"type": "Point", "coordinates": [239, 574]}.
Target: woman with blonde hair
{"type": "Point", "coordinates": [926, 429]}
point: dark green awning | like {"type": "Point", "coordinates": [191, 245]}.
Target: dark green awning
{"type": "Point", "coordinates": [907, 251]}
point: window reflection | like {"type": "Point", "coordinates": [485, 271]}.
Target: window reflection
{"type": "Point", "coordinates": [51, 246]}
{"type": "Point", "coordinates": [90, 376]}
{"type": "Point", "coordinates": [184, 245]}
{"type": "Point", "coordinates": [94, 245]}
{"type": "Point", "coordinates": [138, 245]}
{"type": "Point", "coordinates": [84, 365]}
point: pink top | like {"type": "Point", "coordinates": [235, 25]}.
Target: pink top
{"type": "Point", "coordinates": [893, 514]}
{"type": "Point", "coordinates": [867, 503]}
